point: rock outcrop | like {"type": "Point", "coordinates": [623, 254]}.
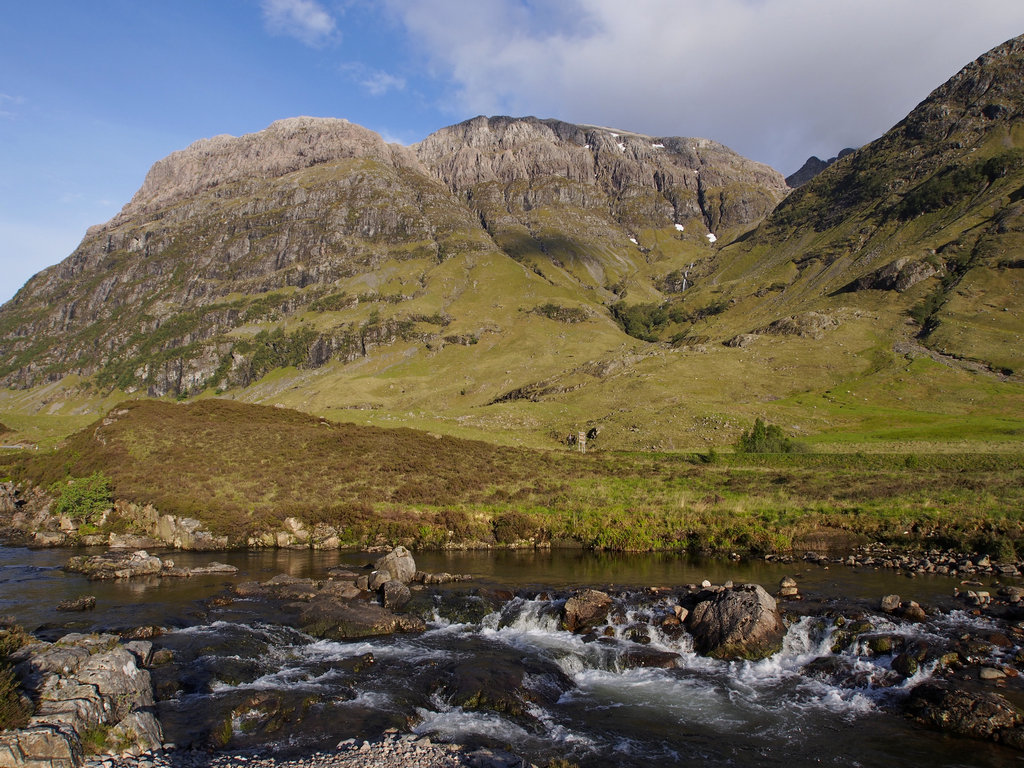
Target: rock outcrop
{"type": "Point", "coordinates": [738, 623]}
{"type": "Point", "coordinates": [83, 684]}
{"type": "Point", "coordinates": [977, 714]}
{"type": "Point", "coordinates": [131, 565]}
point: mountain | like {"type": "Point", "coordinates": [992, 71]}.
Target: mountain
{"type": "Point", "coordinates": [519, 279]}
{"type": "Point", "coordinates": [812, 167]}
{"type": "Point", "coordinates": [930, 214]}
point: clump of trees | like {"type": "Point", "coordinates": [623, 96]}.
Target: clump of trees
{"type": "Point", "coordinates": [83, 499]}
{"type": "Point", "coordinates": [767, 438]}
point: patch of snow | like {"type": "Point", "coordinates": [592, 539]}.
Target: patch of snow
{"type": "Point", "coordinates": [586, 146]}
{"type": "Point", "coordinates": [633, 241]}
{"type": "Point", "coordinates": [622, 147]}
{"type": "Point", "coordinates": [711, 237]}
{"type": "Point", "coordinates": [680, 227]}
{"type": "Point", "coordinates": [658, 146]}
{"type": "Point", "coordinates": [614, 134]}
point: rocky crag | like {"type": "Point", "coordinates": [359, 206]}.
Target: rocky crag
{"type": "Point", "coordinates": [233, 231]}
{"type": "Point", "coordinates": [89, 692]}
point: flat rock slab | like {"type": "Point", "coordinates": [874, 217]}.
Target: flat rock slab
{"type": "Point", "coordinates": [341, 620]}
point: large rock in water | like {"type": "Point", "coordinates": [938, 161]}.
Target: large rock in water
{"type": "Point", "coordinates": [738, 623]}
{"type": "Point", "coordinates": [399, 563]}
{"type": "Point", "coordinates": [335, 619]}
{"type": "Point", "coordinates": [978, 714]}
{"type": "Point", "coordinates": [585, 609]}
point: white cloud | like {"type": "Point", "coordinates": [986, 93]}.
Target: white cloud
{"type": "Point", "coordinates": [379, 83]}
{"type": "Point", "coordinates": [777, 80]}
{"type": "Point", "coordinates": [376, 82]}
{"type": "Point", "coordinates": [305, 20]}
{"type": "Point", "coordinates": [7, 102]}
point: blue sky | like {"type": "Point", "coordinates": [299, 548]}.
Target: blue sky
{"type": "Point", "coordinates": [94, 92]}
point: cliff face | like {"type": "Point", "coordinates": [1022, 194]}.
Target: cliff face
{"type": "Point", "coordinates": [521, 164]}
{"type": "Point", "coordinates": [307, 215]}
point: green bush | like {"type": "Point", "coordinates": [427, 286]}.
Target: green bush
{"type": "Point", "coordinates": [641, 321]}
{"type": "Point", "coordinates": [83, 498]}
{"type": "Point", "coordinates": [512, 526]}
{"type": "Point", "coordinates": [765, 438]}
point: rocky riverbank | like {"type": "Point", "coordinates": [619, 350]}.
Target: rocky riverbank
{"type": "Point", "coordinates": [86, 692]}
{"type": "Point", "coordinates": [393, 750]}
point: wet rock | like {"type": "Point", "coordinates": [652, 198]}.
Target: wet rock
{"type": "Point", "coordinates": [912, 612]}
{"type": "Point", "coordinates": [502, 680]}
{"type": "Point", "coordinates": [740, 623]}
{"type": "Point", "coordinates": [980, 715]}
{"type": "Point", "coordinates": [342, 620]}
{"type": "Point", "coordinates": [83, 603]}
{"type": "Point", "coordinates": [394, 594]}
{"type": "Point", "coordinates": [647, 657]}
{"type": "Point", "coordinates": [585, 609]}
{"type": "Point", "coordinates": [991, 673]}
{"type": "Point", "coordinates": [788, 587]}
{"type": "Point", "coordinates": [399, 563]}
{"type": "Point", "coordinates": [890, 603]}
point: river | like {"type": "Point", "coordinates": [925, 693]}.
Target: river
{"type": "Point", "coordinates": [241, 678]}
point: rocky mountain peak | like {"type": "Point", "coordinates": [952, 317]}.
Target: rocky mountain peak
{"type": "Point", "coordinates": [507, 149]}
{"type": "Point", "coordinates": [989, 89]}
{"type": "Point", "coordinates": [283, 147]}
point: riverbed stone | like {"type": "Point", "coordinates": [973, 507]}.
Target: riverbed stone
{"type": "Point", "coordinates": [890, 603]}
{"type": "Point", "coordinates": [345, 620]}
{"type": "Point", "coordinates": [399, 563]}
{"type": "Point", "coordinates": [739, 623]}
{"type": "Point", "coordinates": [394, 594]}
{"type": "Point", "coordinates": [83, 603]}
{"type": "Point", "coordinates": [953, 709]}
{"type": "Point", "coordinates": [584, 609]}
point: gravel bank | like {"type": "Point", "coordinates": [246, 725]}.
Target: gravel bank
{"type": "Point", "coordinates": [393, 751]}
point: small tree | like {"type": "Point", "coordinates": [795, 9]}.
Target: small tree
{"type": "Point", "coordinates": [83, 498]}
{"type": "Point", "coordinates": [765, 438]}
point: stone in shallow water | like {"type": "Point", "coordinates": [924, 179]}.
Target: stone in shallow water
{"type": "Point", "coordinates": [740, 623]}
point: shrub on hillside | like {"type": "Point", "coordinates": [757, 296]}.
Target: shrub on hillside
{"type": "Point", "coordinates": [83, 498]}
{"type": "Point", "coordinates": [766, 438]}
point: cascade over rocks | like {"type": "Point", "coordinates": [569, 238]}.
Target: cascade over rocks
{"type": "Point", "coordinates": [738, 623]}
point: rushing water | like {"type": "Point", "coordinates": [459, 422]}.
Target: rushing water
{"type": "Point", "coordinates": [240, 674]}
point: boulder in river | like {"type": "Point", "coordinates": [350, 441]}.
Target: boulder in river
{"type": "Point", "coordinates": [953, 709]}
{"type": "Point", "coordinates": [121, 564]}
{"type": "Point", "coordinates": [334, 619]}
{"type": "Point", "coordinates": [399, 563]}
{"type": "Point", "coordinates": [738, 623]}
{"type": "Point", "coordinates": [83, 603]}
{"type": "Point", "coordinates": [585, 609]}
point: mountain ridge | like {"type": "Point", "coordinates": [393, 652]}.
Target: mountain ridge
{"type": "Point", "coordinates": [513, 278]}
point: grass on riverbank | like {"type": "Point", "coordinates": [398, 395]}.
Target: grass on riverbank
{"type": "Point", "coordinates": [243, 469]}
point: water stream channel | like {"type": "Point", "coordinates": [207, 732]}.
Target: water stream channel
{"type": "Point", "coordinates": [241, 678]}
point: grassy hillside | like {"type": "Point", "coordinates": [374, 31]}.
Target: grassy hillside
{"type": "Point", "coordinates": [243, 469]}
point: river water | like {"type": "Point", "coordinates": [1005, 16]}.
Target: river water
{"type": "Point", "coordinates": [241, 678]}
